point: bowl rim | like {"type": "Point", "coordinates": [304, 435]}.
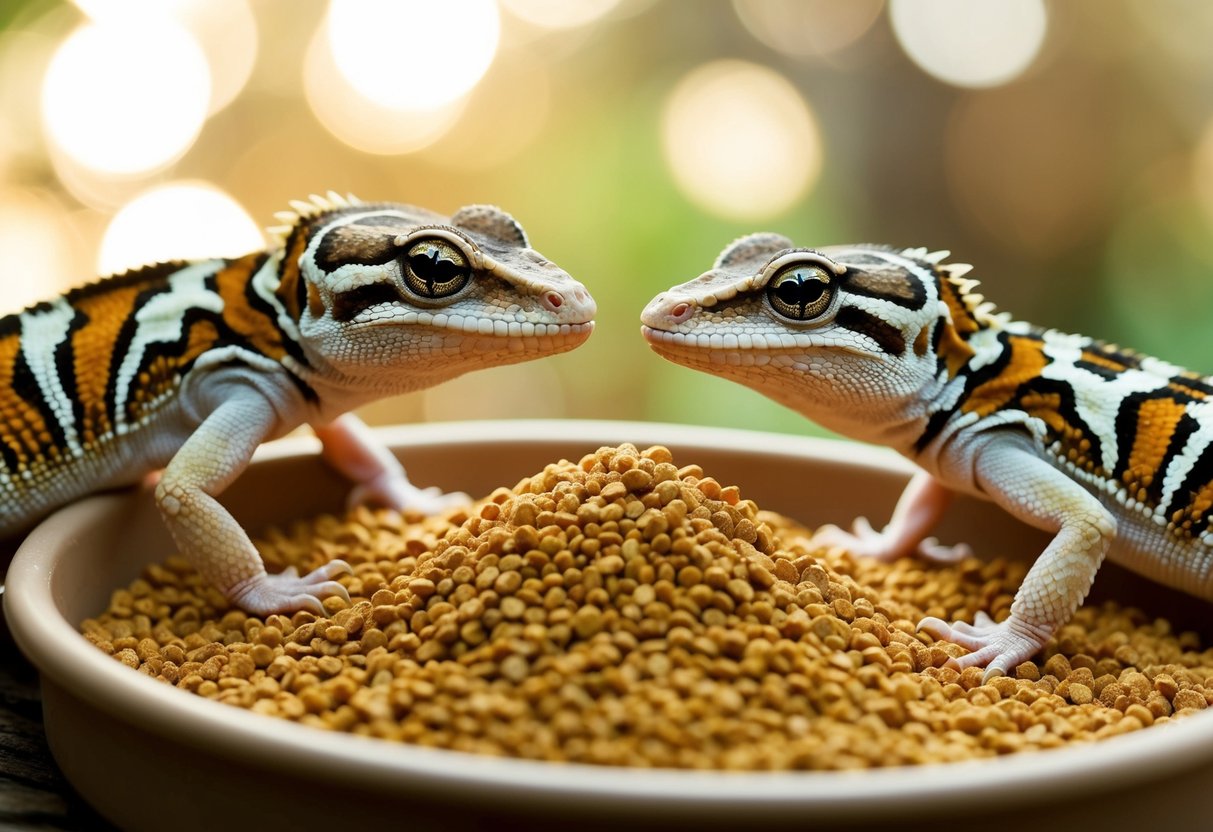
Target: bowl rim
{"type": "Point", "coordinates": [56, 648]}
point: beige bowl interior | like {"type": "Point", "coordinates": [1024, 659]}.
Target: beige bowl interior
{"type": "Point", "coordinates": [151, 757]}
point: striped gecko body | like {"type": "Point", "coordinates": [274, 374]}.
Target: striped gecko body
{"type": "Point", "coordinates": [190, 366]}
{"type": "Point", "coordinates": [1109, 450]}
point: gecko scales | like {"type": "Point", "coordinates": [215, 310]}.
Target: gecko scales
{"type": "Point", "coordinates": [1108, 450]}
{"type": "Point", "coordinates": [189, 366]}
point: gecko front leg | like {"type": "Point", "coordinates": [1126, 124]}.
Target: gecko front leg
{"type": "Point", "coordinates": [918, 510]}
{"type": "Point", "coordinates": [351, 448]}
{"type": "Point", "coordinates": [213, 456]}
{"type": "Point", "coordinates": [1010, 472]}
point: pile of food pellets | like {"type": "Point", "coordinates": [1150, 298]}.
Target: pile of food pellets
{"type": "Point", "coordinates": [626, 611]}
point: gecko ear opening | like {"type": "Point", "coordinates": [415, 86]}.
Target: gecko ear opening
{"type": "Point", "coordinates": [753, 248]}
{"type": "Point", "coordinates": [491, 222]}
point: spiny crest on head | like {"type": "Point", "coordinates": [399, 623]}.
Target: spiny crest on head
{"type": "Point", "coordinates": [313, 206]}
{"type": "Point", "coordinates": [923, 253]}
{"type": "Point", "coordinates": [966, 288]}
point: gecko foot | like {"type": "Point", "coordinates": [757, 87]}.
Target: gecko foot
{"type": "Point", "coordinates": [998, 647]}
{"type": "Point", "coordinates": [393, 490]}
{"type": "Point", "coordinates": [864, 541]}
{"type": "Point", "coordinates": [288, 592]}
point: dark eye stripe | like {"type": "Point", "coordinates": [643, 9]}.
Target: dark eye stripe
{"type": "Point", "coordinates": [348, 305]}
{"type": "Point", "coordinates": [887, 336]}
{"type": "Point", "coordinates": [352, 244]}
{"type": "Point", "coordinates": [889, 284]}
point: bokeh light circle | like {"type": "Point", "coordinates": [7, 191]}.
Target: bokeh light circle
{"type": "Point", "coordinates": [970, 44]}
{"type": "Point", "coordinates": [361, 122]}
{"type": "Point", "coordinates": [559, 14]}
{"type": "Point", "coordinates": [740, 140]}
{"type": "Point", "coordinates": [225, 29]}
{"type": "Point", "coordinates": [126, 98]}
{"type": "Point", "coordinates": [182, 220]}
{"type": "Point", "coordinates": [807, 28]}
{"type": "Point", "coordinates": [413, 54]}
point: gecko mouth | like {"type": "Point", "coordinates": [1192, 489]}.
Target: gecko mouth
{"type": "Point", "coordinates": [700, 350]}
{"type": "Point", "coordinates": [698, 341]}
{"type": "Point", "coordinates": [684, 349]}
{"type": "Point", "coordinates": [525, 339]}
{"type": "Point", "coordinates": [480, 326]}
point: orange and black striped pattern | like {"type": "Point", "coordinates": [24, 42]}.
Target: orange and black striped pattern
{"type": "Point", "coordinates": [82, 370]}
{"type": "Point", "coordinates": [1129, 426]}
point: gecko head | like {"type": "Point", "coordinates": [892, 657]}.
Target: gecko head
{"type": "Point", "coordinates": [845, 334]}
{"type": "Point", "coordinates": [398, 298]}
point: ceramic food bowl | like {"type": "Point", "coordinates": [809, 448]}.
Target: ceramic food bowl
{"type": "Point", "coordinates": [148, 756]}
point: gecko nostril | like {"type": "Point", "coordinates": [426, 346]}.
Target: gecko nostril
{"type": "Point", "coordinates": [554, 299]}
{"type": "Point", "coordinates": [680, 311]}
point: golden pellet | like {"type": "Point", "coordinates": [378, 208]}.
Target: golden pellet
{"type": "Point", "coordinates": [626, 611]}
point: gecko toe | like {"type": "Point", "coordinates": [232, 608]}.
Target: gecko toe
{"type": "Point", "coordinates": [997, 647]}
{"type": "Point", "coordinates": [862, 541]}
{"type": "Point", "coordinates": [287, 592]}
{"type": "Point", "coordinates": [977, 629]}
{"type": "Point", "coordinates": [932, 550]}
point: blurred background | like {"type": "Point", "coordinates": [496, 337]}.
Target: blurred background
{"type": "Point", "coordinates": [1065, 149]}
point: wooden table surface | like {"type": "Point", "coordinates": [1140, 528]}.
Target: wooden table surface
{"type": "Point", "coordinates": [33, 793]}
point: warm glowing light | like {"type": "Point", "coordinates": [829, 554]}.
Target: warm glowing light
{"type": "Point", "coordinates": [225, 29]}
{"type": "Point", "coordinates": [511, 106]}
{"type": "Point", "coordinates": [970, 44]}
{"type": "Point", "coordinates": [740, 140]}
{"type": "Point", "coordinates": [227, 32]}
{"type": "Point", "coordinates": [559, 14]}
{"type": "Point", "coordinates": [360, 122]}
{"type": "Point", "coordinates": [35, 250]}
{"type": "Point", "coordinates": [413, 54]}
{"type": "Point", "coordinates": [806, 28]}
{"type": "Point", "coordinates": [126, 97]}
{"type": "Point", "coordinates": [178, 221]}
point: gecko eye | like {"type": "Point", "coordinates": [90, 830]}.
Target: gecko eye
{"type": "Point", "coordinates": [435, 268]}
{"type": "Point", "coordinates": [800, 292]}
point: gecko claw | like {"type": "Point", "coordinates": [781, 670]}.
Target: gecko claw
{"type": "Point", "coordinates": [931, 549]}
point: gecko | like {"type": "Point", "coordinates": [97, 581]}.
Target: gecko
{"type": "Point", "coordinates": [1108, 450]}
{"type": "Point", "coordinates": [186, 367]}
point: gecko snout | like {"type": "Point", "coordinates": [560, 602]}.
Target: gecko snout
{"type": "Point", "coordinates": [664, 312]}
{"type": "Point", "coordinates": [574, 303]}
{"type": "Point", "coordinates": [672, 311]}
